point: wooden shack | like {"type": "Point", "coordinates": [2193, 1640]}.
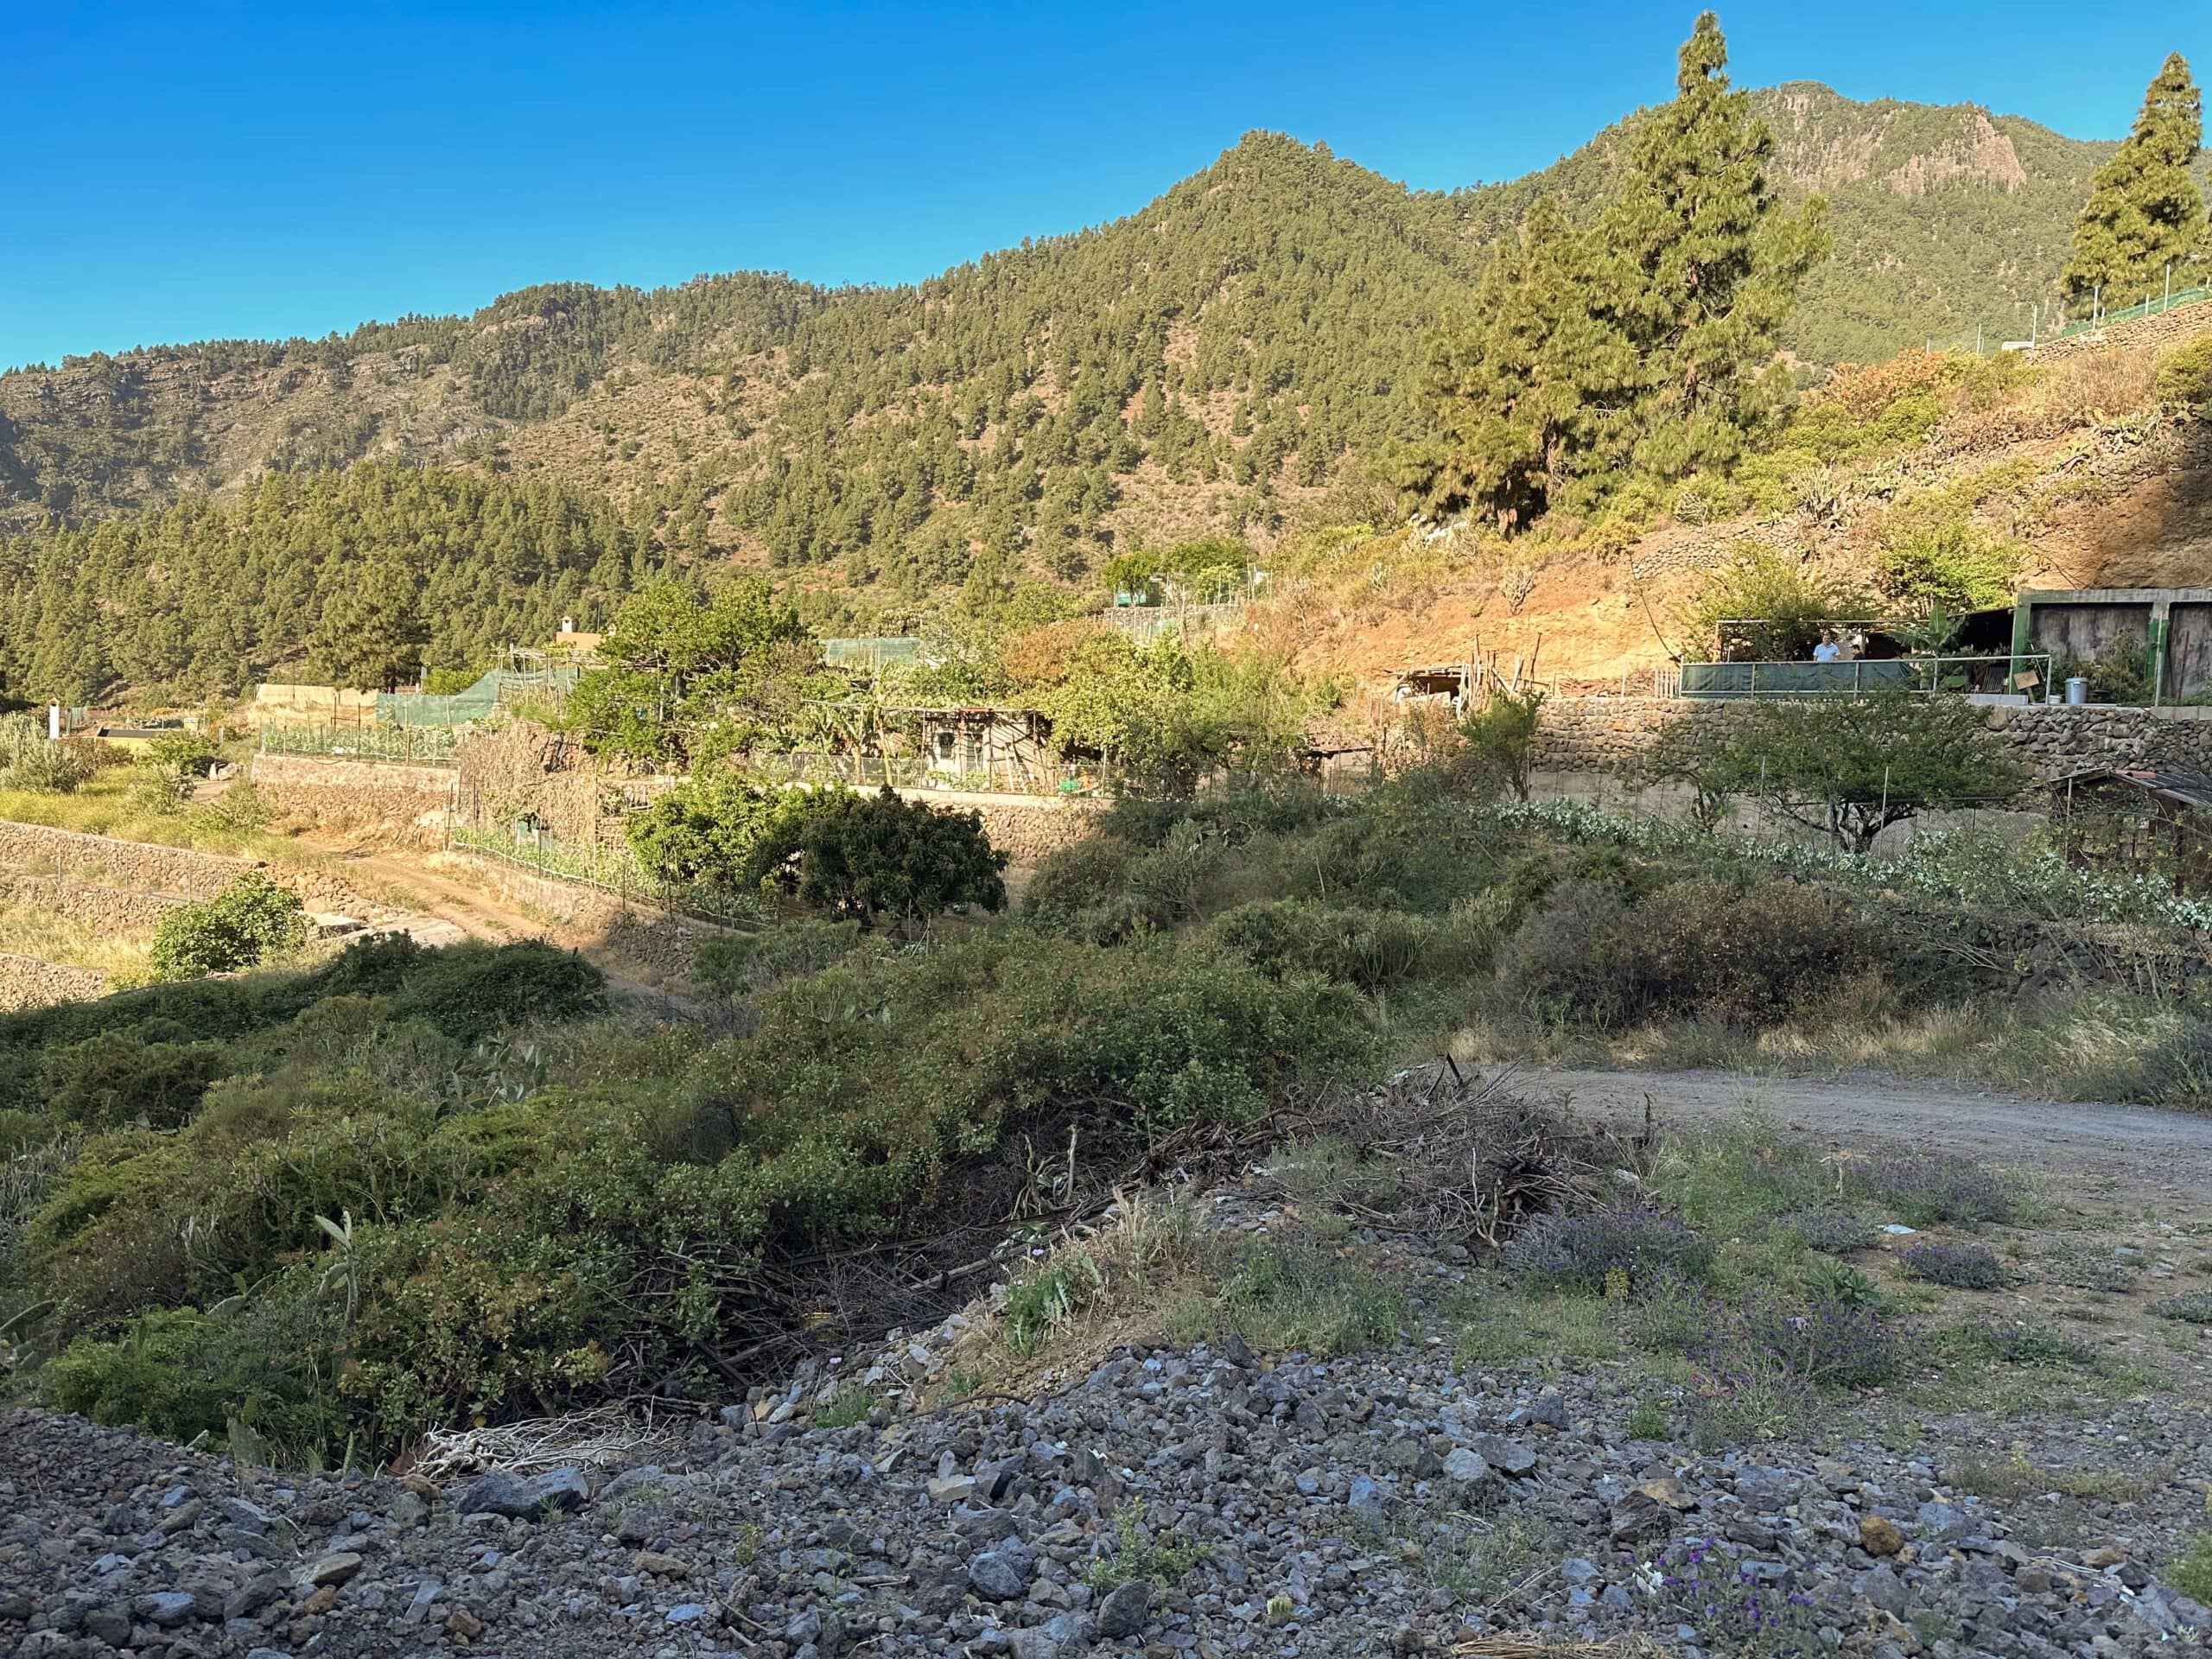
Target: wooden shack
{"type": "Point", "coordinates": [2138, 819]}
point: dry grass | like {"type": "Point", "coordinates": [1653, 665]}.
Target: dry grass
{"type": "Point", "coordinates": [2090, 386]}
{"type": "Point", "coordinates": [27, 930]}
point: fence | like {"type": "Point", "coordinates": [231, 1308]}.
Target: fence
{"type": "Point", "coordinates": [429, 746]}
{"type": "Point", "coordinates": [613, 869]}
{"type": "Point", "coordinates": [1146, 623]}
{"type": "Point", "coordinates": [2155, 305]}
{"type": "Point", "coordinates": [994, 776]}
{"type": "Point", "coordinates": [1861, 676]}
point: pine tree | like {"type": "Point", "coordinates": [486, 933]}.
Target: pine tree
{"type": "Point", "coordinates": [371, 633]}
{"type": "Point", "coordinates": [2145, 212]}
{"type": "Point", "coordinates": [1707, 265]}
{"type": "Point", "coordinates": [1529, 396]}
{"type": "Point", "coordinates": [1649, 346]}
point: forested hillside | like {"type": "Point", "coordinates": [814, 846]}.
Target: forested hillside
{"type": "Point", "coordinates": [206, 597]}
{"type": "Point", "coordinates": [1202, 365]}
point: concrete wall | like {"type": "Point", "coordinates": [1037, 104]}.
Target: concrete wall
{"type": "Point", "coordinates": [402, 801]}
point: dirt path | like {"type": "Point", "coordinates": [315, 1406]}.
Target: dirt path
{"type": "Point", "coordinates": [478, 914]}
{"type": "Point", "coordinates": [2138, 1152]}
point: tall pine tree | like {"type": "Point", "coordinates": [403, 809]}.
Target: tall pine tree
{"type": "Point", "coordinates": [2145, 212]}
{"type": "Point", "coordinates": [1531, 396]}
{"type": "Point", "coordinates": [1707, 266]}
{"type": "Point", "coordinates": [1646, 347]}
{"type": "Point", "coordinates": [370, 634]}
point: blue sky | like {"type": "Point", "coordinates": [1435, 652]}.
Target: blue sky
{"type": "Point", "coordinates": [180, 171]}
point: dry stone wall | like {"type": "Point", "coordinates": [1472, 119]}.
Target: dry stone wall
{"type": "Point", "coordinates": [33, 849]}
{"type": "Point", "coordinates": [2162, 329]}
{"type": "Point", "coordinates": [1026, 828]}
{"type": "Point", "coordinates": [401, 802]}
{"type": "Point", "coordinates": [26, 982]}
{"type": "Point", "coordinates": [1633, 738]}
{"type": "Point", "coordinates": [112, 910]}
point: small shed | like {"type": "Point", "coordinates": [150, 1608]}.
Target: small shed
{"type": "Point", "coordinates": [985, 746]}
{"type": "Point", "coordinates": [2138, 819]}
{"type": "Point", "coordinates": [1335, 758]}
{"type": "Point", "coordinates": [1446, 683]}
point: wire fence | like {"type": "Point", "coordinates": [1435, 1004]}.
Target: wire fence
{"type": "Point", "coordinates": [986, 775]}
{"type": "Point", "coordinates": [615, 869]}
{"type": "Point", "coordinates": [2153, 305]}
{"type": "Point", "coordinates": [1146, 623]}
{"type": "Point", "coordinates": [434, 746]}
{"type": "Point", "coordinates": [1862, 677]}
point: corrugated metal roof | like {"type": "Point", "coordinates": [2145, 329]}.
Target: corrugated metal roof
{"type": "Point", "coordinates": [2187, 788]}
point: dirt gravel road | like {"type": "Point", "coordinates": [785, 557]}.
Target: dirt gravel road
{"type": "Point", "coordinates": [2128, 1152]}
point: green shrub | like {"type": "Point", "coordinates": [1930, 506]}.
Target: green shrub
{"type": "Point", "coordinates": [470, 991]}
{"type": "Point", "coordinates": [1694, 948]}
{"type": "Point", "coordinates": [877, 855]}
{"type": "Point", "coordinates": [1952, 564]}
{"type": "Point", "coordinates": [707, 828]}
{"type": "Point", "coordinates": [31, 761]}
{"type": "Point", "coordinates": [1371, 949]}
{"type": "Point", "coordinates": [739, 964]}
{"type": "Point", "coordinates": [246, 924]}
{"type": "Point", "coordinates": [2185, 373]}
{"type": "Point", "coordinates": [1501, 740]}
{"type": "Point", "coordinates": [260, 1373]}
{"type": "Point", "coordinates": [125, 1077]}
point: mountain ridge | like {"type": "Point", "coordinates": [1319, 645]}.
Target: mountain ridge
{"type": "Point", "coordinates": [1215, 359]}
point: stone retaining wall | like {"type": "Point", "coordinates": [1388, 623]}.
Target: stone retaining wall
{"type": "Point", "coordinates": [36, 849]}
{"type": "Point", "coordinates": [165, 875]}
{"type": "Point", "coordinates": [1026, 827]}
{"type": "Point", "coordinates": [2161, 329]}
{"type": "Point", "coordinates": [112, 910]}
{"type": "Point", "coordinates": [26, 982]}
{"type": "Point", "coordinates": [402, 801]}
{"type": "Point", "coordinates": [637, 932]}
{"type": "Point", "coordinates": [1633, 737]}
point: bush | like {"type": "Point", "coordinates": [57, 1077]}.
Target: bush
{"type": "Point", "coordinates": [871, 854]}
{"type": "Point", "coordinates": [471, 991]}
{"type": "Point", "coordinates": [1584, 1251]}
{"type": "Point", "coordinates": [1831, 1232]}
{"type": "Point", "coordinates": [260, 1374]}
{"type": "Point", "coordinates": [2026, 1343]}
{"type": "Point", "coordinates": [246, 924]}
{"type": "Point", "coordinates": [1371, 949]}
{"type": "Point", "coordinates": [2185, 373]}
{"type": "Point", "coordinates": [2190, 1307]}
{"type": "Point", "coordinates": [707, 831]}
{"type": "Point", "coordinates": [1693, 948]}
{"type": "Point", "coordinates": [741, 964]}
{"type": "Point", "coordinates": [1090, 891]}
{"type": "Point", "coordinates": [1957, 1267]}
{"type": "Point", "coordinates": [31, 761]}
{"type": "Point", "coordinates": [1929, 1189]}
{"type": "Point", "coordinates": [1501, 740]}
{"type": "Point", "coordinates": [1829, 1342]}
{"type": "Point", "coordinates": [1951, 565]}
{"type": "Point", "coordinates": [124, 1078]}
